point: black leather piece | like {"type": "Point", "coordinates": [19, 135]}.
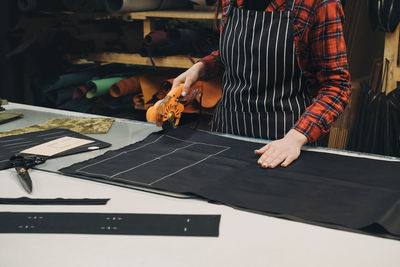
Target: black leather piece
{"type": "Point", "coordinates": [11, 145]}
{"type": "Point", "coordinates": [373, 15]}
{"type": "Point", "coordinates": [394, 15]}
{"type": "Point", "coordinates": [384, 14]}
{"type": "Point", "coordinates": [332, 190]}
{"type": "Point", "coordinates": [379, 12]}
{"type": "Point", "coordinates": [110, 224]}
{"type": "Point", "coordinates": [53, 201]}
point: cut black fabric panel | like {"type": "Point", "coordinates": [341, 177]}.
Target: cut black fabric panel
{"type": "Point", "coordinates": [10, 145]}
{"type": "Point", "coordinates": [110, 224]}
{"type": "Point", "coordinates": [53, 201]}
{"type": "Point", "coordinates": [338, 191]}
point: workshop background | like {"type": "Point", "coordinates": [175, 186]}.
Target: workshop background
{"type": "Point", "coordinates": [117, 58]}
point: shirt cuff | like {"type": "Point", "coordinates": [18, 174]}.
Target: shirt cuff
{"type": "Point", "coordinates": [309, 129]}
{"type": "Point", "coordinates": [211, 68]}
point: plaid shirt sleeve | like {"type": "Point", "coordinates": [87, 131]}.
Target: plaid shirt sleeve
{"type": "Point", "coordinates": [329, 67]}
{"type": "Point", "coordinates": [212, 62]}
{"type": "Point", "coordinates": [213, 65]}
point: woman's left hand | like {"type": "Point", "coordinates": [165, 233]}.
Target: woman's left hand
{"type": "Point", "coordinates": [283, 151]}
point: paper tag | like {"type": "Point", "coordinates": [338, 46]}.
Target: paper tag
{"type": "Point", "coordinates": [56, 146]}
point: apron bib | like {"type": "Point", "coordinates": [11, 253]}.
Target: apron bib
{"type": "Point", "coordinates": [264, 90]}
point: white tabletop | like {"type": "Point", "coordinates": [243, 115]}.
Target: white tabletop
{"type": "Point", "coordinates": [246, 239]}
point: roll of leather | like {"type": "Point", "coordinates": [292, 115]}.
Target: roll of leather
{"type": "Point", "coordinates": [101, 87]}
{"type": "Point", "coordinates": [84, 5]}
{"type": "Point", "coordinates": [155, 38]}
{"type": "Point", "coordinates": [177, 41]}
{"type": "Point", "coordinates": [70, 80]}
{"type": "Point", "coordinates": [121, 6]}
{"type": "Point", "coordinates": [79, 91]}
{"type": "Point", "coordinates": [125, 87]}
{"type": "Point", "coordinates": [45, 5]}
{"type": "Point", "coordinates": [61, 5]}
{"type": "Point", "coordinates": [27, 5]}
{"type": "Point", "coordinates": [167, 4]}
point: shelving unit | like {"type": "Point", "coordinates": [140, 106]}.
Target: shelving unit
{"type": "Point", "coordinates": [147, 18]}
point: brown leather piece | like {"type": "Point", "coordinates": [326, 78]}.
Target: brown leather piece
{"type": "Point", "coordinates": [212, 92]}
{"type": "Point", "coordinates": [125, 87]}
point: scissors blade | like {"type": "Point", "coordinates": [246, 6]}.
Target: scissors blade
{"type": "Point", "coordinates": [24, 179]}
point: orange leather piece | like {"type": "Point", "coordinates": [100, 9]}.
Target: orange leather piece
{"type": "Point", "coordinates": [125, 87]}
{"type": "Point", "coordinates": [150, 84]}
{"type": "Point", "coordinates": [212, 92]}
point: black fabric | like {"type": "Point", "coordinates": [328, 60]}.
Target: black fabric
{"type": "Point", "coordinates": [338, 191]}
{"type": "Point", "coordinates": [110, 224]}
{"type": "Point", "coordinates": [11, 145]}
{"type": "Point", "coordinates": [53, 201]}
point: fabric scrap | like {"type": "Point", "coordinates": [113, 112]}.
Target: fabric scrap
{"type": "Point", "coordinates": [79, 125]}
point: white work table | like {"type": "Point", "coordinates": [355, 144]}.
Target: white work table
{"type": "Point", "coordinates": [245, 239]}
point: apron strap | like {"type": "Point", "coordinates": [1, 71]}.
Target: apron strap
{"type": "Point", "coordinates": [232, 3]}
{"type": "Point", "coordinates": [289, 5]}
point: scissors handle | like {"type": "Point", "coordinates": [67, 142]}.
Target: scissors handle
{"type": "Point", "coordinates": [22, 164]}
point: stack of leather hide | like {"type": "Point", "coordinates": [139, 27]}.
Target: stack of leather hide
{"type": "Point", "coordinates": [179, 41]}
{"type": "Point", "coordinates": [384, 15]}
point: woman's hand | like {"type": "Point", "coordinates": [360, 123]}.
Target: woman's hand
{"type": "Point", "coordinates": [189, 77]}
{"type": "Point", "coordinates": [283, 151]}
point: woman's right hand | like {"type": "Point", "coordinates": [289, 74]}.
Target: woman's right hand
{"type": "Point", "coordinates": [188, 78]}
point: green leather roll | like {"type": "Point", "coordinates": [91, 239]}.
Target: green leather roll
{"type": "Point", "coordinates": [101, 87]}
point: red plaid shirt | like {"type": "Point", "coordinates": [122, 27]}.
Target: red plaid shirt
{"type": "Point", "coordinates": [321, 53]}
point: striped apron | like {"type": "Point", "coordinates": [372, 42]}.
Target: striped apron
{"type": "Point", "coordinates": [264, 90]}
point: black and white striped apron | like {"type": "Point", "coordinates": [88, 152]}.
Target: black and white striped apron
{"type": "Point", "coordinates": [264, 90]}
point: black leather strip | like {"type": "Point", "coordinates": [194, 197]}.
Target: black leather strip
{"type": "Point", "coordinates": [110, 224]}
{"type": "Point", "coordinates": [53, 201]}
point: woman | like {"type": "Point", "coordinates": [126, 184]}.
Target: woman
{"type": "Point", "coordinates": [272, 54]}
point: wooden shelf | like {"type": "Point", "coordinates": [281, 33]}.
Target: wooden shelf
{"type": "Point", "coordinates": [174, 14]}
{"type": "Point", "coordinates": [136, 59]}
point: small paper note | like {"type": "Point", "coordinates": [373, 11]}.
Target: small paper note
{"type": "Point", "coordinates": [56, 146]}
